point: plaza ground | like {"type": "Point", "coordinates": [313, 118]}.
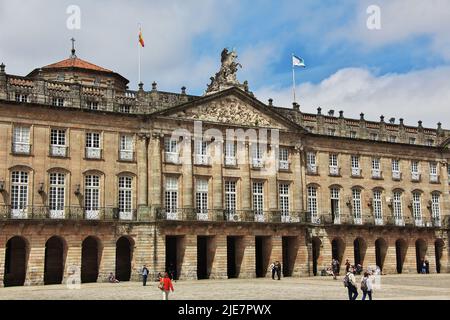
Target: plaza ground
{"type": "Point", "coordinates": [393, 287]}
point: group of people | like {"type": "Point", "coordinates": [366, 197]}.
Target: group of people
{"type": "Point", "coordinates": [425, 266]}
{"type": "Point", "coordinates": [276, 269]}
{"type": "Point", "coordinates": [366, 281]}
{"type": "Point", "coordinates": [165, 282]}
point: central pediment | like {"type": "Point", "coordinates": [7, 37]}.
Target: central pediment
{"type": "Point", "coordinates": [233, 107]}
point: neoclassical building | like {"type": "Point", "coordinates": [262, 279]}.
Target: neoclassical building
{"type": "Point", "coordinates": [96, 178]}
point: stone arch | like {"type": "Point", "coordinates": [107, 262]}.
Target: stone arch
{"type": "Point", "coordinates": [90, 259]}
{"type": "Point", "coordinates": [438, 250]}
{"type": "Point", "coordinates": [55, 256]}
{"type": "Point", "coordinates": [316, 245]}
{"type": "Point", "coordinates": [381, 247]}
{"type": "Point", "coordinates": [337, 250]}
{"type": "Point", "coordinates": [359, 250]}
{"type": "Point", "coordinates": [124, 257]}
{"type": "Point", "coordinates": [16, 260]}
{"type": "Point", "coordinates": [401, 247]}
{"type": "Point", "coordinates": [421, 253]}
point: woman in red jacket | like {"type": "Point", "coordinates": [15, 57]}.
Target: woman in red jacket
{"type": "Point", "coordinates": [165, 284]}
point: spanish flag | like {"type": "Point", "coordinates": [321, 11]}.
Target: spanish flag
{"type": "Point", "coordinates": [141, 39]}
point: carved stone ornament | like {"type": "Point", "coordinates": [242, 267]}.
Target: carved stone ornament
{"type": "Point", "coordinates": [226, 77]}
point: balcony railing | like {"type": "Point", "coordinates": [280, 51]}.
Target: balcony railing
{"type": "Point", "coordinates": [376, 173]}
{"type": "Point", "coordinates": [230, 161]}
{"type": "Point", "coordinates": [415, 176]}
{"type": "Point", "coordinates": [21, 148]}
{"type": "Point", "coordinates": [66, 213]}
{"type": "Point", "coordinates": [257, 163]}
{"type": "Point", "coordinates": [334, 171]}
{"type": "Point", "coordinates": [283, 165]}
{"type": "Point", "coordinates": [201, 159]}
{"type": "Point", "coordinates": [126, 155]}
{"type": "Point", "coordinates": [434, 178]}
{"type": "Point", "coordinates": [171, 157]}
{"type": "Point", "coordinates": [356, 172]}
{"type": "Point", "coordinates": [58, 151]}
{"type": "Point", "coordinates": [93, 153]}
{"type": "Point", "coordinates": [396, 175]}
{"type": "Point", "coordinates": [311, 168]}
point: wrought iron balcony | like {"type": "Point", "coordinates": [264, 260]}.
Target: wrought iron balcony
{"type": "Point", "coordinates": [396, 175]}
{"type": "Point", "coordinates": [8, 212]}
{"type": "Point", "coordinates": [376, 174]}
{"type": "Point", "coordinates": [126, 155]}
{"type": "Point", "coordinates": [356, 172]}
{"type": "Point", "coordinates": [171, 157]}
{"type": "Point", "coordinates": [230, 161]}
{"type": "Point", "coordinates": [434, 178]}
{"type": "Point", "coordinates": [21, 148]}
{"type": "Point", "coordinates": [311, 169]}
{"type": "Point", "coordinates": [58, 151]}
{"type": "Point", "coordinates": [283, 165]}
{"type": "Point", "coordinates": [93, 153]}
{"type": "Point", "coordinates": [334, 170]}
{"type": "Point", "coordinates": [415, 176]}
{"type": "Point", "coordinates": [257, 163]}
{"type": "Point", "coordinates": [202, 159]}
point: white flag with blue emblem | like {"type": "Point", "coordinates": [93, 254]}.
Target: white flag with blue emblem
{"type": "Point", "coordinates": [296, 61]}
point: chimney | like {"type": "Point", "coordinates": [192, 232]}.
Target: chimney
{"type": "Point", "coordinates": [154, 86]}
{"type": "Point", "coordinates": [401, 121]}
{"type": "Point", "coordinates": [381, 118]}
{"type": "Point", "coordinates": [361, 116]}
{"type": "Point", "coordinates": [331, 113]}
{"type": "Point", "coordinates": [183, 90]}
{"type": "Point", "coordinates": [2, 68]}
{"type": "Point", "coordinates": [141, 86]}
{"type": "Point", "coordinates": [270, 102]}
{"type": "Point", "coordinates": [341, 114]}
{"type": "Point", "coordinates": [319, 110]}
{"type": "Point", "coordinates": [296, 106]}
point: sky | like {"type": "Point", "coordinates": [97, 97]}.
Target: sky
{"type": "Point", "coordinates": [400, 70]}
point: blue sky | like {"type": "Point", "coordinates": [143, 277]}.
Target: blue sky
{"type": "Point", "coordinates": [401, 70]}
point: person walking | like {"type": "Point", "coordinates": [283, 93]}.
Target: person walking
{"type": "Point", "coordinates": [366, 286]}
{"type": "Point", "coordinates": [335, 268]}
{"type": "Point", "coordinates": [145, 273]}
{"type": "Point", "coordinates": [350, 283]}
{"type": "Point", "coordinates": [427, 266]}
{"type": "Point", "coordinates": [347, 266]}
{"type": "Point", "coordinates": [278, 267]}
{"type": "Point", "coordinates": [165, 285]}
{"type": "Point", "coordinates": [424, 267]}
{"type": "Point", "coordinates": [273, 268]}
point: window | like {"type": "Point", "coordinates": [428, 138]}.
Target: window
{"type": "Point", "coordinates": [283, 193]}
{"type": "Point", "coordinates": [352, 134]}
{"type": "Point", "coordinates": [230, 153]}
{"type": "Point", "coordinates": [230, 198]}
{"type": "Point", "coordinates": [312, 204]}
{"type": "Point", "coordinates": [417, 208]}
{"type": "Point", "coordinates": [56, 195]}
{"type": "Point", "coordinates": [331, 132]}
{"type": "Point", "coordinates": [415, 175]}
{"type": "Point", "coordinates": [374, 136]}
{"type": "Point", "coordinates": [396, 169]}
{"type": "Point", "coordinates": [436, 209]}
{"type": "Point", "coordinates": [397, 208]}
{"type": "Point", "coordinates": [258, 201]}
{"type": "Point", "coordinates": [311, 162]}
{"type": "Point", "coordinates": [126, 152]}
{"type": "Point", "coordinates": [124, 109]}
{"type": "Point", "coordinates": [356, 170]}
{"type": "Point", "coordinates": [93, 145]}
{"type": "Point", "coordinates": [201, 199]}
{"type": "Point", "coordinates": [356, 193]}
{"type": "Point", "coordinates": [377, 207]}
{"type": "Point", "coordinates": [283, 159]}
{"type": "Point", "coordinates": [58, 143]}
{"type": "Point", "coordinates": [430, 142]}
{"type": "Point", "coordinates": [434, 172]}
{"type": "Point", "coordinates": [92, 105]}
{"type": "Point", "coordinates": [19, 194]}
{"type": "Point", "coordinates": [376, 168]}
{"type": "Point", "coordinates": [333, 161]}
{"type": "Point", "coordinates": [335, 204]}
{"type": "Point", "coordinates": [392, 139]}
{"type": "Point", "coordinates": [21, 140]}
{"type": "Point", "coordinates": [58, 102]}
{"type": "Point", "coordinates": [125, 198]}
{"type": "Point", "coordinates": [92, 196]}
{"type": "Point", "coordinates": [412, 140]}
{"type": "Point", "coordinates": [21, 97]}
{"type": "Point", "coordinates": [171, 198]}
{"type": "Point", "coordinates": [257, 161]}
{"type": "Point", "coordinates": [171, 150]}
{"type": "Point", "coordinates": [201, 152]}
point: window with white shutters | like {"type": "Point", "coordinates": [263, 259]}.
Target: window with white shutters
{"type": "Point", "coordinates": [171, 154]}
{"type": "Point", "coordinates": [283, 189]}
{"type": "Point", "coordinates": [21, 140]}
{"type": "Point", "coordinates": [92, 196]}
{"type": "Point", "coordinates": [125, 198]}
{"type": "Point", "coordinates": [230, 196]}
{"type": "Point", "coordinates": [312, 203]}
{"type": "Point", "coordinates": [93, 145]}
{"type": "Point", "coordinates": [258, 198]}
{"type": "Point", "coordinates": [417, 208]}
{"type": "Point", "coordinates": [377, 207]}
{"type": "Point", "coordinates": [56, 197]}
{"type": "Point", "coordinates": [397, 207]}
{"type": "Point", "coordinates": [283, 155]}
{"type": "Point", "coordinates": [171, 197]}
{"type": "Point", "coordinates": [230, 153]}
{"type": "Point", "coordinates": [356, 170]}
{"type": "Point", "coordinates": [311, 165]}
{"type": "Point", "coordinates": [436, 209]}
{"type": "Point", "coordinates": [58, 143]}
{"type": "Point", "coordinates": [335, 204]}
{"type": "Point", "coordinates": [126, 151]}
{"type": "Point", "coordinates": [201, 199]}
{"type": "Point", "coordinates": [19, 194]}
{"type": "Point", "coordinates": [357, 214]}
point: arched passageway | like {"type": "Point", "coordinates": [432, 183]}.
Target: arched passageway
{"type": "Point", "coordinates": [15, 262]}
{"type": "Point", "coordinates": [438, 250]}
{"type": "Point", "coordinates": [337, 250]}
{"type": "Point", "coordinates": [90, 260]}
{"type": "Point", "coordinates": [380, 252]}
{"type": "Point", "coordinates": [316, 244]}
{"type": "Point", "coordinates": [54, 261]}
{"type": "Point", "coordinates": [400, 254]}
{"type": "Point", "coordinates": [359, 247]}
{"type": "Point", "coordinates": [421, 252]}
{"type": "Point", "coordinates": [124, 254]}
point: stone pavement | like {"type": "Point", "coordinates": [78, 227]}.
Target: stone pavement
{"type": "Point", "coordinates": [401, 287]}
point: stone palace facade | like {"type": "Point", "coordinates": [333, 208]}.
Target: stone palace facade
{"type": "Point", "coordinates": [95, 178]}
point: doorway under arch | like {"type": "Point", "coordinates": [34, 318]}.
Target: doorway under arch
{"type": "Point", "coordinates": [15, 262]}
{"type": "Point", "coordinates": [360, 248]}
{"type": "Point", "coordinates": [54, 260]}
{"type": "Point", "coordinates": [124, 254]}
{"type": "Point", "coordinates": [316, 244]}
{"type": "Point", "coordinates": [90, 260]}
{"type": "Point", "coordinates": [438, 250]}
{"type": "Point", "coordinates": [380, 252]}
{"type": "Point", "coordinates": [337, 250]}
{"type": "Point", "coordinates": [421, 252]}
{"type": "Point", "coordinates": [400, 254]}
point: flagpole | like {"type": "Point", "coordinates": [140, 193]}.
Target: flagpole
{"type": "Point", "coordinates": [139, 56]}
{"type": "Point", "coordinates": [293, 77]}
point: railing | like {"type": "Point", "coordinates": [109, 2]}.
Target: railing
{"type": "Point", "coordinates": [58, 151]}
{"type": "Point", "coordinates": [283, 165]}
{"type": "Point", "coordinates": [21, 148]}
{"type": "Point", "coordinates": [93, 153]}
{"type": "Point", "coordinates": [230, 161]}
{"type": "Point", "coordinates": [334, 170]}
{"type": "Point", "coordinates": [396, 175]}
{"type": "Point", "coordinates": [376, 173]}
{"type": "Point", "coordinates": [356, 172]}
{"type": "Point", "coordinates": [171, 157]}
{"type": "Point", "coordinates": [66, 213]}
{"type": "Point", "coordinates": [201, 159]}
{"type": "Point", "coordinates": [434, 178]}
{"type": "Point", "coordinates": [257, 163]}
{"type": "Point", "coordinates": [126, 155]}
{"type": "Point", "coordinates": [415, 176]}
{"type": "Point", "coordinates": [311, 168]}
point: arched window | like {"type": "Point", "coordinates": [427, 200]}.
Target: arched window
{"type": "Point", "coordinates": [436, 209]}
{"type": "Point", "coordinates": [125, 198]}
{"type": "Point", "coordinates": [377, 207]}
{"type": "Point", "coordinates": [417, 208]}
{"type": "Point", "coordinates": [397, 207]}
{"type": "Point", "coordinates": [357, 214]}
{"type": "Point", "coordinates": [312, 203]}
{"type": "Point", "coordinates": [19, 194]}
{"type": "Point", "coordinates": [92, 196]}
{"type": "Point", "coordinates": [56, 197]}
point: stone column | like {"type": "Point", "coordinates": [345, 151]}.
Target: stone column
{"type": "Point", "coordinates": [155, 177]}
{"type": "Point", "coordinates": [187, 257]}
{"type": "Point", "coordinates": [2, 262]}
{"type": "Point", "coordinates": [297, 184]}
{"type": "Point", "coordinates": [276, 252]}
{"type": "Point", "coordinates": [219, 264]}
{"type": "Point", "coordinates": [36, 261]}
{"type": "Point", "coordinates": [107, 262]}
{"type": "Point", "coordinates": [142, 162]}
{"type": "Point", "coordinates": [245, 250]}
{"type": "Point", "coordinates": [72, 267]}
{"type": "Point", "coordinates": [154, 256]}
{"type": "Point", "coordinates": [245, 167]}
{"type": "Point", "coordinates": [410, 264]}
{"type": "Point", "coordinates": [390, 261]}
{"type": "Point", "coordinates": [301, 257]}
{"type": "Point", "coordinates": [186, 184]}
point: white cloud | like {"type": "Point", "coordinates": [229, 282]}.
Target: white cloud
{"type": "Point", "coordinates": [419, 95]}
